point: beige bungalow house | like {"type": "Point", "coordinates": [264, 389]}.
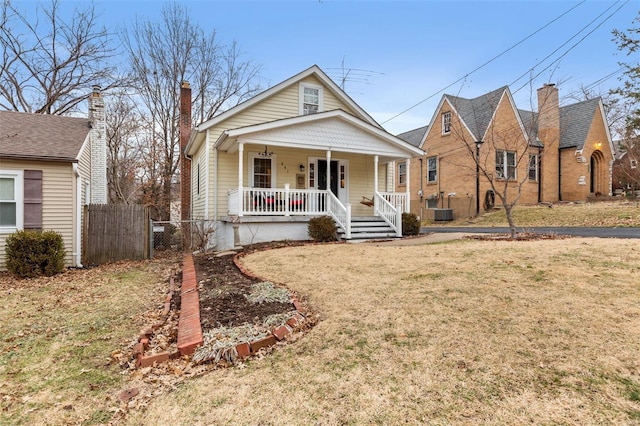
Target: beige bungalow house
{"type": "Point", "coordinates": [301, 149]}
{"type": "Point", "coordinates": [50, 167]}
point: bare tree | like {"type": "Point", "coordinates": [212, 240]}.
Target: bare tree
{"type": "Point", "coordinates": [500, 157]}
{"type": "Point", "coordinates": [164, 54]}
{"type": "Point", "coordinates": [49, 64]}
{"type": "Point", "coordinates": [124, 139]}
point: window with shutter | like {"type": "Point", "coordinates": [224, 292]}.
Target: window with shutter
{"type": "Point", "coordinates": [33, 199]}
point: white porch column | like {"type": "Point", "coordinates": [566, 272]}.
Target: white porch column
{"type": "Point", "coordinates": [240, 174]}
{"type": "Point", "coordinates": [329, 170]}
{"type": "Point", "coordinates": [375, 185]}
{"type": "Point", "coordinates": [408, 182]}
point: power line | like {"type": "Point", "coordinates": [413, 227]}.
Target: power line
{"type": "Point", "coordinates": [486, 63]}
{"type": "Point", "coordinates": [572, 47]}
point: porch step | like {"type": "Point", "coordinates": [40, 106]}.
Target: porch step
{"type": "Point", "coordinates": [369, 228]}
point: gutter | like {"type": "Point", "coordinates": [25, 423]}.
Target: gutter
{"type": "Point", "coordinates": [78, 234]}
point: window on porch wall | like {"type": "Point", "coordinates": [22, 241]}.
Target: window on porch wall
{"type": "Point", "coordinates": [262, 172]}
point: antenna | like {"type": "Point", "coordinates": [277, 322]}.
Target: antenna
{"type": "Point", "coordinates": [342, 75]}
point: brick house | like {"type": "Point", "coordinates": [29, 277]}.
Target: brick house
{"type": "Point", "coordinates": [50, 167]}
{"type": "Point", "coordinates": [554, 154]}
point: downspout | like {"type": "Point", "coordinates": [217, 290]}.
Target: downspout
{"type": "Point", "coordinates": [559, 175]}
{"type": "Point", "coordinates": [421, 191]}
{"type": "Point", "coordinates": [206, 177]}
{"type": "Point", "coordinates": [78, 243]}
{"type": "Point", "coordinates": [539, 175]}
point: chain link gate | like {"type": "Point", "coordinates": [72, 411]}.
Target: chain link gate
{"type": "Point", "coordinates": [181, 235]}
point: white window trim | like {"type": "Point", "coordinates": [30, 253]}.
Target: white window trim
{"type": "Point", "coordinates": [402, 182]}
{"type": "Point", "coordinates": [505, 165]}
{"type": "Point", "coordinates": [274, 164]}
{"type": "Point", "coordinates": [320, 96]}
{"type": "Point", "coordinates": [535, 156]}
{"type": "Point", "coordinates": [436, 170]}
{"type": "Point", "coordinates": [444, 130]}
{"type": "Point", "coordinates": [18, 178]}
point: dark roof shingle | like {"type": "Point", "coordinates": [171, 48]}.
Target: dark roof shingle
{"type": "Point", "coordinates": [43, 137]}
{"type": "Point", "coordinates": [415, 136]}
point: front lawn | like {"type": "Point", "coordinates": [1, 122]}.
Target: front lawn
{"type": "Point", "coordinates": [466, 332]}
{"type": "Point", "coordinates": [606, 213]}
{"type": "Point", "coordinates": [60, 338]}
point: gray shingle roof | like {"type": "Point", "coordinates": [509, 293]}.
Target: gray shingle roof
{"type": "Point", "coordinates": [415, 136]}
{"type": "Point", "coordinates": [39, 136]}
{"type": "Point", "coordinates": [477, 112]}
{"type": "Point", "coordinates": [575, 122]}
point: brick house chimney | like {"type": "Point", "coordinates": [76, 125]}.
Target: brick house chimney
{"type": "Point", "coordinates": [98, 139]}
{"type": "Point", "coordinates": [185, 163]}
{"type": "Point", "coordinates": [549, 135]}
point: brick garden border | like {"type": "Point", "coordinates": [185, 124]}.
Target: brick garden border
{"type": "Point", "coordinates": [189, 326]}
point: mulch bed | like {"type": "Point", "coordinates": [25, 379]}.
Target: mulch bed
{"type": "Point", "coordinates": [223, 287]}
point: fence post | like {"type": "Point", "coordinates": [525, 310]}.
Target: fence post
{"type": "Point", "coordinates": [398, 221]}
{"type": "Point", "coordinates": [151, 239]}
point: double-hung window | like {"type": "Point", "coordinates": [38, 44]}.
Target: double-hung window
{"type": "Point", "coordinates": [402, 173]}
{"type": "Point", "coordinates": [505, 164]}
{"type": "Point", "coordinates": [446, 123]}
{"type": "Point", "coordinates": [311, 98]}
{"type": "Point", "coordinates": [262, 172]}
{"type": "Point", "coordinates": [11, 201]}
{"type": "Point", "coordinates": [533, 167]}
{"type": "Point", "coordinates": [432, 169]}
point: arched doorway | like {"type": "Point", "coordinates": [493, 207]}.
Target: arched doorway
{"type": "Point", "coordinates": [598, 184]}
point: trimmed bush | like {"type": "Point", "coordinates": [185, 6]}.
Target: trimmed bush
{"type": "Point", "coordinates": [323, 229]}
{"type": "Point", "coordinates": [410, 224]}
{"type": "Point", "coordinates": [32, 253]}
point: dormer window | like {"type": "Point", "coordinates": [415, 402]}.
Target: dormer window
{"type": "Point", "coordinates": [311, 97]}
{"type": "Point", "coordinates": [446, 123]}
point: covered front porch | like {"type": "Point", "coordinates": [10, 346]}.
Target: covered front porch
{"type": "Point", "coordinates": [322, 164]}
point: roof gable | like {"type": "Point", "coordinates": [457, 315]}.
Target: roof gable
{"type": "Point", "coordinates": [312, 71]}
{"type": "Point", "coordinates": [333, 130]}
{"type": "Point", "coordinates": [477, 113]}
{"type": "Point", "coordinates": [41, 137]}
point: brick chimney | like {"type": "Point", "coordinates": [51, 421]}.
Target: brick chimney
{"type": "Point", "coordinates": [185, 163]}
{"type": "Point", "coordinates": [98, 136]}
{"type": "Point", "coordinates": [549, 135]}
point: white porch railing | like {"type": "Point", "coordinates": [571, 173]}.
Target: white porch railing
{"type": "Point", "coordinates": [340, 213]}
{"type": "Point", "coordinates": [391, 214]}
{"type": "Point", "coordinates": [313, 202]}
{"type": "Point", "coordinates": [278, 202]}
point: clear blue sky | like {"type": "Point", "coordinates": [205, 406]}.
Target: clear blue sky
{"type": "Point", "coordinates": [414, 48]}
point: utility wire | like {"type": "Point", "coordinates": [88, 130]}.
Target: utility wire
{"type": "Point", "coordinates": [485, 64]}
{"type": "Point", "coordinates": [571, 48]}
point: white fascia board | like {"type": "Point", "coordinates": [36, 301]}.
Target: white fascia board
{"type": "Point", "coordinates": [288, 144]}
{"type": "Point", "coordinates": [245, 132]}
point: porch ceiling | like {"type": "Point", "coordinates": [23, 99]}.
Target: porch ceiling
{"type": "Point", "coordinates": [334, 130]}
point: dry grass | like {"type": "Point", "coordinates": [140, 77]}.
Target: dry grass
{"type": "Point", "coordinates": [58, 334]}
{"type": "Point", "coordinates": [610, 213]}
{"type": "Point", "coordinates": [467, 332]}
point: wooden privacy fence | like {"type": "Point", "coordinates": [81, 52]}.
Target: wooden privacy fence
{"type": "Point", "coordinates": [114, 232]}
